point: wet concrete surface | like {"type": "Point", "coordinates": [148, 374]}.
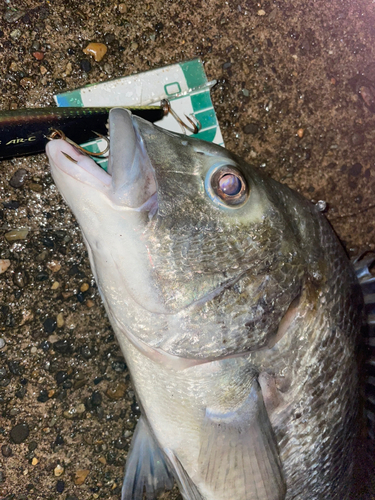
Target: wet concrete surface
{"type": "Point", "coordinates": [284, 102]}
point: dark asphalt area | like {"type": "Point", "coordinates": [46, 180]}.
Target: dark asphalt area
{"type": "Point", "coordinates": [287, 100]}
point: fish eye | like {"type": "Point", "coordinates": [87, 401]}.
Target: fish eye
{"type": "Point", "coordinates": [227, 185]}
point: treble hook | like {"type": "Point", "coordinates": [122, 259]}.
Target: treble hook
{"type": "Point", "coordinates": [60, 134]}
{"type": "Point", "coordinates": [166, 105]}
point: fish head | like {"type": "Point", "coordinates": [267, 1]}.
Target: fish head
{"type": "Point", "coordinates": [194, 251]}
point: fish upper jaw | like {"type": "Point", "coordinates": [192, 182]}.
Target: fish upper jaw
{"type": "Point", "coordinates": [133, 176]}
{"type": "Point", "coordinates": [130, 181]}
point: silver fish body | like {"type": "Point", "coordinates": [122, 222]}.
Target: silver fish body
{"type": "Point", "coordinates": [236, 309]}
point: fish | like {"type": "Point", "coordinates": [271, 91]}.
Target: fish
{"type": "Point", "coordinates": [238, 313]}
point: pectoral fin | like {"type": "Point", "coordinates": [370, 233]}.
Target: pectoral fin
{"type": "Point", "coordinates": [187, 488]}
{"type": "Point", "coordinates": [238, 456]}
{"type": "Point", "coordinates": [146, 467]}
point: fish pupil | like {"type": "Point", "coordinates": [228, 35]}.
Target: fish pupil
{"type": "Point", "coordinates": [230, 184]}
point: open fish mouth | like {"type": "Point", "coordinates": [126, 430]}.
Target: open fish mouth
{"type": "Point", "coordinates": [130, 180]}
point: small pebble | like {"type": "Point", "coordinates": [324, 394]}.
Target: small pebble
{"type": "Point", "coordinates": [321, 205]}
{"type": "Point", "coordinates": [45, 345]}
{"type": "Point", "coordinates": [59, 441]}
{"type": "Point", "coordinates": [74, 412]}
{"type": "Point", "coordinates": [43, 70]}
{"type": "Point", "coordinates": [60, 486]}
{"type": "Point", "coordinates": [20, 278]}
{"type": "Point", "coordinates": [42, 256]}
{"type": "Point", "coordinates": [116, 392]}
{"type": "Point", "coordinates": [53, 338]}
{"type": "Point", "coordinates": [261, 12]}
{"type": "Point", "coordinates": [27, 83]}
{"type": "Point", "coordinates": [63, 346]}
{"type": "Point", "coordinates": [55, 285]}
{"type": "Point", "coordinates": [34, 461]}
{"type": "Point", "coordinates": [34, 186]}
{"type": "Point", "coordinates": [80, 476]}
{"type": "Point", "coordinates": [20, 393]}
{"type": "Point", "coordinates": [49, 325]}
{"type": "Point", "coordinates": [15, 34]}
{"type": "Point", "coordinates": [54, 266]}
{"type": "Point", "coordinates": [300, 132]}
{"type": "Point", "coordinates": [38, 55]}
{"type": "Point", "coordinates": [84, 287]}
{"type": "Point", "coordinates": [12, 205]}
{"type": "Point", "coordinates": [6, 451]}
{"type": "Point", "coordinates": [4, 265]}
{"type": "Point", "coordinates": [109, 38]}
{"type": "Point", "coordinates": [96, 398]}
{"type": "Point", "coordinates": [119, 365]}
{"type": "Point", "coordinates": [43, 396]}
{"type": "Point", "coordinates": [74, 270]}
{"type": "Point", "coordinates": [122, 8]}
{"type": "Point", "coordinates": [11, 16]}
{"type": "Point", "coordinates": [16, 234]}
{"type": "Point", "coordinates": [60, 320]}
{"type": "Point", "coordinates": [80, 409]}
{"type": "Point", "coordinates": [97, 50]}
{"type": "Point", "coordinates": [52, 422]}
{"type": "Point", "coordinates": [18, 178]}
{"type": "Point", "coordinates": [19, 433]}
{"type": "Point", "coordinates": [85, 65]}
{"type": "Point", "coordinates": [61, 84]}
{"type": "Point", "coordinates": [15, 367]}
{"type": "Point", "coordinates": [61, 376]}
{"type": "Point", "coordinates": [2, 343]}
{"type": "Point", "coordinates": [121, 443]}
{"type": "Point", "coordinates": [42, 276]}
{"type": "Point", "coordinates": [33, 445]}
{"type": "Point", "coordinates": [68, 69]}
{"type": "Point", "coordinates": [58, 470]}
{"type": "Point", "coordinates": [79, 383]}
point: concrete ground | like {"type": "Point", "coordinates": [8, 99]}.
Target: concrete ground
{"type": "Point", "coordinates": [286, 99]}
